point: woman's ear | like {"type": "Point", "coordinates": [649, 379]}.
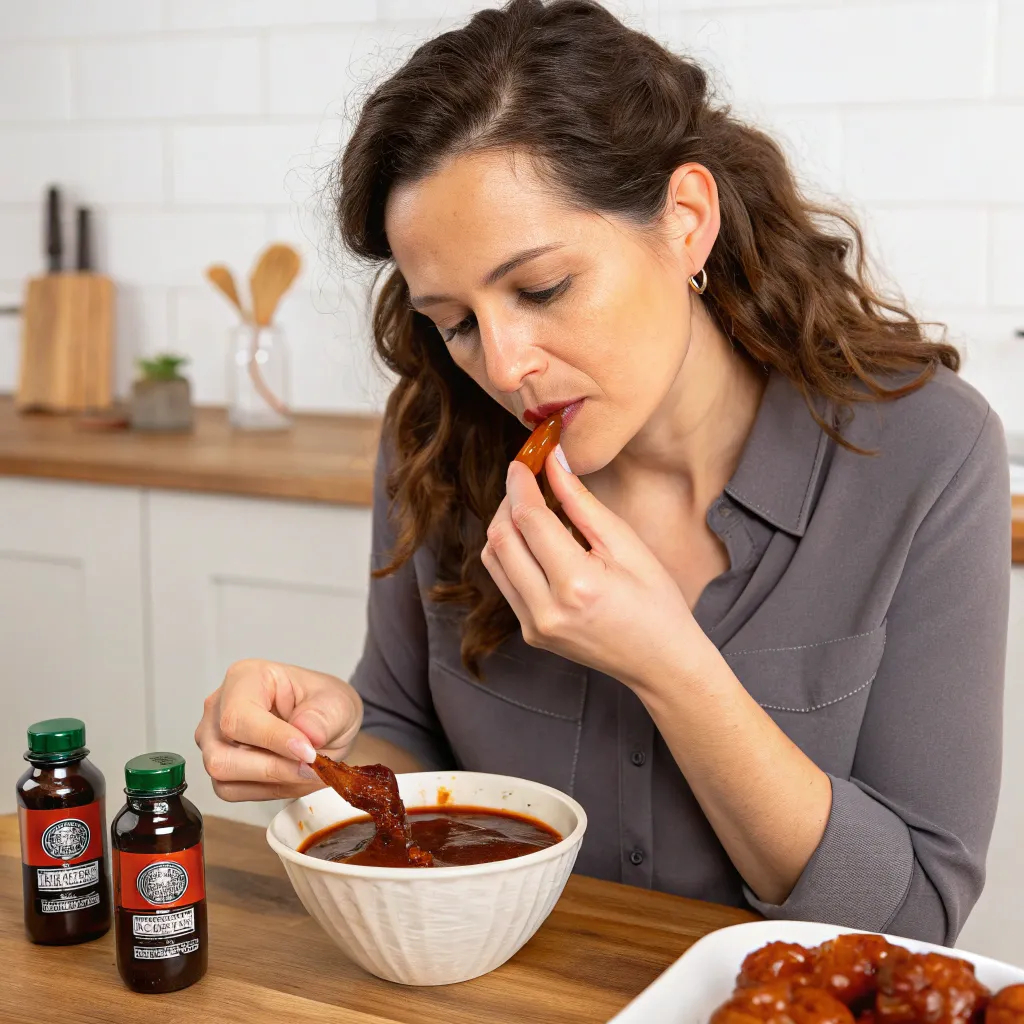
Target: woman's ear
{"type": "Point", "coordinates": [692, 215]}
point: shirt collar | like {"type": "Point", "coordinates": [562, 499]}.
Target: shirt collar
{"type": "Point", "coordinates": [778, 471]}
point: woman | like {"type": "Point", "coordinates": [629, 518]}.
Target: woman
{"type": "Point", "coordinates": [769, 658]}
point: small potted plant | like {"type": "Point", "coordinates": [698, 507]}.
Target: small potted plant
{"type": "Point", "coordinates": [162, 397]}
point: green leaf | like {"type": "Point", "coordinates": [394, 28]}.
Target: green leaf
{"type": "Point", "coordinates": [163, 366]}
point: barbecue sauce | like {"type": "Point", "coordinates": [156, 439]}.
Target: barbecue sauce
{"type": "Point", "coordinates": [454, 836]}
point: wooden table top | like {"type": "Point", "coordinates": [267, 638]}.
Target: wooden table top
{"type": "Point", "coordinates": [321, 458]}
{"type": "Point", "coordinates": [270, 963]}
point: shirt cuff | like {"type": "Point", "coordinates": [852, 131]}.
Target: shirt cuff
{"type": "Point", "coordinates": [860, 873]}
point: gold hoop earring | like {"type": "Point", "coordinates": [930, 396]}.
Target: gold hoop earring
{"type": "Point", "coordinates": [702, 287]}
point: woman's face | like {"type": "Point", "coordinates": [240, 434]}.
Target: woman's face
{"type": "Point", "coordinates": [545, 306]}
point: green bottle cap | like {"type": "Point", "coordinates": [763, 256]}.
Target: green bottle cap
{"type": "Point", "coordinates": [55, 738]}
{"type": "Point", "coordinates": [154, 773]}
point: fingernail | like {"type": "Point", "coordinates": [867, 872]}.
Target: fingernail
{"type": "Point", "coordinates": [305, 771]}
{"type": "Point", "coordinates": [562, 460]}
{"type": "Point", "coordinates": [302, 749]}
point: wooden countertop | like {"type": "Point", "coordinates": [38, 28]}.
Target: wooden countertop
{"type": "Point", "coordinates": [321, 458]}
{"type": "Point", "coordinates": [270, 962]}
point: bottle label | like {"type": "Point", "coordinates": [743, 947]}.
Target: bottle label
{"type": "Point", "coordinates": [166, 952]}
{"type": "Point", "coordinates": [65, 904]}
{"type": "Point", "coordinates": [62, 879]}
{"type": "Point", "coordinates": [147, 881]}
{"type": "Point", "coordinates": [164, 926]}
{"type": "Point", "coordinates": [159, 892]}
{"type": "Point", "coordinates": [61, 838]}
{"type": "Point", "coordinates": [64, 849]}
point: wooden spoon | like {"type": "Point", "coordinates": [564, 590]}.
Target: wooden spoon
{"type": "Point", "coordinates": [273, 275]}
{"type": "Point", "coordinates": [224, 281]}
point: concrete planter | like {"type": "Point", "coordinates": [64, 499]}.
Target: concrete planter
{"type": "Point", "coordinates": [162, 405]}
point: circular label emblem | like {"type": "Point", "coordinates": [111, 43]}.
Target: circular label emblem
{"type": "Point", "coordinates": [67, 839]}
{"type": "Point", "coordinates": [163, 882]}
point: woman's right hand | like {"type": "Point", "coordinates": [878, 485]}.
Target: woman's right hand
{"type": "Point", "coordinates": [263, 725]}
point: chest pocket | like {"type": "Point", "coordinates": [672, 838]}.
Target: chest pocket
{"type": "Point", "coordinates": [816, 693]}
{"type": "Point", "coordinates": [524, 718]}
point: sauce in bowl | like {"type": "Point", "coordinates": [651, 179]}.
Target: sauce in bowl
{"type": "Point", "coordinates": [454, 835]}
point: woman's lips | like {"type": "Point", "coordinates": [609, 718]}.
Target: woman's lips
{"type": "Point", "coordinates": [570, 412]}
{"type": "Point", "coordinates": [538, 415]}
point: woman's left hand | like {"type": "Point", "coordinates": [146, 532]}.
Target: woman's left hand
{"type": "Point", "coordinates": [614, 607]}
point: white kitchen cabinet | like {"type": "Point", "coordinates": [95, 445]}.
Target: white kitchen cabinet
{"type": "Point", "coordinates": [71, 620]}
{"type": "Point", "coordinates": [994, 928]}
{"type": "Point", "coordinates": [233, 578]}
{"type": "Point", "coordinates": [125, 607]}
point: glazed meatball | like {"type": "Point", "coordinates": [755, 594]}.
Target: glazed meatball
{"type": "Point", "coordinates": [775, 962]}
{"type": "Point", "coordinates": [1007, 1007]}
{"type": "Point", "coordinates": [847, 966]}
{"type": "Point", "coordinates": [928, 989]}
{"type": "Point", "coordinates": [782, 1003]}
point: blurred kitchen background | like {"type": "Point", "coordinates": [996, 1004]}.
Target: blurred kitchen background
{"type": "Point", "coordinates": [199, 131]}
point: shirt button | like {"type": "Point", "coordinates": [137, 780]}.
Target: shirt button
{"type": "Point", "coordinates": [725, 511]}
{"type": "Point", "coordinates": [636, 858]}
{"type": "Point", "coordinates": [638, 758]}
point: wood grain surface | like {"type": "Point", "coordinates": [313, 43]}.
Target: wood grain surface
{"type": "Point", "coordinates": [67, 343]}
{"type": "Point", "coordinates": [322, 458]}
{"type": "Point", "coordinates": [270, 963]}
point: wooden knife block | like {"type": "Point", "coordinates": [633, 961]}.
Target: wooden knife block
{"type": "Point", "coordinates": [67, 348]}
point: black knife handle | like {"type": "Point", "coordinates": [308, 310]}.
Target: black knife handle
{"type": "Point", "coordinates": [84, 262]}
{"type": "Point", "coordinates": [54, 242]}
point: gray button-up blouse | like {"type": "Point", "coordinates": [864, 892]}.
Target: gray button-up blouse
{"type": "Point", "coordinates": [865, 608]}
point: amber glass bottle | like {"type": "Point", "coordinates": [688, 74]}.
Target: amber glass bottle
{"type": "Point", "coordinates": [63, 837]}
{"type": "Point", "coordinates": [159, 878]}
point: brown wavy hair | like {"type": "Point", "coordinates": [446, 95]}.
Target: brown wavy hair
{"type": "Point", "coordinates": [609, 114]}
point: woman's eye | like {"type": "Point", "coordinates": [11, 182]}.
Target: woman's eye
{"type": "Point", "coordinates": [462, 327]}
{"type": "Point", "coordinates": [537, 298]}
{"type": "Point", "coordinates": [546, 294]}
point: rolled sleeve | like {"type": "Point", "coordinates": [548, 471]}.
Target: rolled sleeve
{"type": "Point", "coordinates": [905, 844]}
{"type": "Point", "coordinates": [861, 870]}
{"type": "Point", "coordinates": [392, 674]}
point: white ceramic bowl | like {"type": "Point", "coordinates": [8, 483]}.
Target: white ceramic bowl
{"type": "Point", "coordinates": [433, 926]}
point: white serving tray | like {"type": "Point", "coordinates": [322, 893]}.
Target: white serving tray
{"type": "Point", "coordinates": [704, 976]}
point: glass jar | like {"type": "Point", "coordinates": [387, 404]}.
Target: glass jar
{"type": "Point", "coordinates": [63, 837]}
{"type": "Point", "coordinates": [258, 379]}
{"type": "Point", "coordinates": [159, 878]}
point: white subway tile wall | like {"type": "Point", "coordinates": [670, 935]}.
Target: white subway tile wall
{"type": "Point", "coordinates": [158, 79]}
{"type": "Point", "coordinates": [199, 130]}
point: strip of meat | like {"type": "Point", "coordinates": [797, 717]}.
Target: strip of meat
{"type": "Point", "coordinates": [373, 788]}
{"type": "Point", "coordinates": [541, 443]}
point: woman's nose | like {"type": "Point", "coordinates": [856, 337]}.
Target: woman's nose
{"type": "Point", "coordinates": [510, 356]}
